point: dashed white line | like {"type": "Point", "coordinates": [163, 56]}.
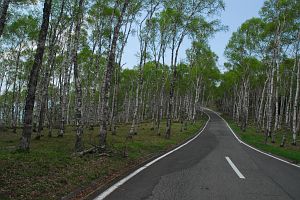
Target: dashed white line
{"type": "Point", "coordinates": [251, 147]}
{"type": "Point", "coordinates": [237, 171]}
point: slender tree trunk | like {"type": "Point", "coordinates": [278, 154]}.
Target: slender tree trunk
{"type": "Point", "coordinates": [45, 92]}
{"type": "Point", "coordinates": [138, 93]}
{"type": "Point", "coordinates": [270, 103]}
{"type": "Point", "coordinates": [277, 97]}
{"type": "Point", "coordinates": [107, 79]}
{"type": "Point", "coordinates": [67, 71]}
{"type": "Point", "coordinates": [161, 106]}
{"type": "Point", "coordinates": [78, 88]}
{"type": "Point", "coordinates": [132, 130]}
{"type": "Point", "coordinates": [260, 112]}
{"type": "Point", "coordinates": [171, 93]}
{"type": "Point", "coordinates": [289, 103]}
{"type": "Point", "coordinates": [298, 123]}
{"type": "Point", "coordinates": [5, 110]}
{"type": "Point", "coordinates": [51, 111]}
{"type": "Point", "coordinates": [114, 109]}
{"type": "Point", "coordinates": [196, 99]}
{"type": "Point", "coordinates": [27, 130]}
{"type": "Point", "coordinates": [281, 111]}
{"type": "Point", "coordinates": [239, 106]}
{"type": "Point", "coordinates": [13, 110]}
{"type": "Point", "coordinates": [3, 14]}
{"type": "Point", "coordinates": [296, 100]}
{"type": "Point", "coordinates": [114, 103]}
{"type": "Point", "coordinates": [17, 111]}
{"type": "Point", "coordinates": [1, 106]}
{"type": "Point", "coordinates": [172, 86]}
{"type": "Point", "coordinates": [48, 71]}
{"type": "Point", "coordinates": [245, 104]}
{"type": "Point", "coordinates": [1, 82]}
{"type": "Point", "coordinates": [128, 107]}
{"type": "Point", "coordinates": [160, 109]}
{"type": "Point", "coordinates": [234, 103]}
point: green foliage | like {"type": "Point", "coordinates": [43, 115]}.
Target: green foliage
{"type": "Point", "coordinates": [171, 23]}
{"type": "Point", "coordinates": [24, 28]}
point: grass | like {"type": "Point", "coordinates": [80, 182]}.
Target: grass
{"type": "Point", "coordinates": [50, 170]}
{"type": "Point", "coordinates": [256, 139]}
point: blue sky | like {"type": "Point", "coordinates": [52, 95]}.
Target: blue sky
{"type": "Point", "coordinates": [236, 12]}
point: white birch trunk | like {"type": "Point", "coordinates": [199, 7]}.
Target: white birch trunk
{"type": "Point", "coordinates": [296, 103]}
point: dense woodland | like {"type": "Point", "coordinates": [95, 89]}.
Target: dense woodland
{"type": "Point", "coordinates": [263, 78]}
{"type": "Point", "coordinates": [62, 64]}
{"type": "Point", "coordinates": [74, 115]}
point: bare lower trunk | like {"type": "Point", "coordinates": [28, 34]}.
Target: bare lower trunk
{"type": "Point", "coordinates": [44, 98]}
{"type": "Point", "coordinates": [169, 111]}
{"type": "Point", "coordinates": [51, 112]}
{"type": "Point", "coordinates": [160, 110]}
{"type": "Point", "coordinates": [270, 103]}
{"type": "Point", "coordinates": [128, 108]}
{"type": "Point", "coordinates": [289, 104]}
{"type": "Point", "coordinates": [132, 130]}
{"type": "Point", "coordinates": [281, 110]}
{"type": "Point", "coordinates": [171, 94]}
{"type": "Point", "coordinates": [277, 98]}
{"type": "Point", "coordinates": [245, 105]}
{"type": "Point", "coordinates": [196, 99]}
{"type": "Point", "coordinates": [107, 80]}
{"type": "Point", "coordinates": [30, 98]}
{"type": "Point", "coordinates": [172, 86]}
{"type": "Point", "coordinates": [13, 110]}
{"type": "Point", "coordinates": [65, 79]}
{"type": "Point", "coordinates": [261, 105]}
{"type": "Point", "coordinates": [114, 104]}
{"type": "Point", "coordinates": [296, 104]}
{"type": "Point", "coordinates": [78, 88]}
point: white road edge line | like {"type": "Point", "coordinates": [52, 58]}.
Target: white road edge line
{"type": "Point", "coordinates": [251, 147]}
{"type": "Point", "coordinates": [237, 171]}
{"type": "Point", "coordinates": [122, 181]}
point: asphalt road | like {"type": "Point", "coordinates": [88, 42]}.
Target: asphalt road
{"type": "Point", "coordinates": [200, 170]}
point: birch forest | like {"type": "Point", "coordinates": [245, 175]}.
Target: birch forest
{"type": "Point", "coordinates": [92, 90]}
{"type": "Point", "coordinates": [262, 82]}
{"type": "Point", "coordinates": [62, 65]}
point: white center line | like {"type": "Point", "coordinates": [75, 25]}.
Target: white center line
{"type": "Point", "coordinates": [240, 175]}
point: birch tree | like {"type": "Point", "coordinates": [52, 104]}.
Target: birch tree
{"type": "Point", "coordinates": [27, 130]}
{"type": "Point", "coordinates": [107, 78]}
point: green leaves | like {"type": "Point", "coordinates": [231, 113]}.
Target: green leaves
{"type": "Point", "coordinates": [25, 27]}
{"type": "Point", "coordinates": [24, 1]}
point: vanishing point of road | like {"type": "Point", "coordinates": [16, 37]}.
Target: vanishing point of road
{"type": "Point", "coordinates": [215, 165]}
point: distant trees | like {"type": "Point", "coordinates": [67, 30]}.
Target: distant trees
{"type": "Point", "coordinates": [263, 77]}
{"type": "Point", "coordinates": [182, 19]}
{"type": "Point", "coordinates": [72, 72]}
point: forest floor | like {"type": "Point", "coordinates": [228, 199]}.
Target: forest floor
{"type": "Point", "coordinates": [50, 170]}
{"type": "Point", "coordinates": [256, 139]}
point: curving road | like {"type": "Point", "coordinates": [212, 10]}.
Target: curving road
{"type": "Point", "coordinates": [213, 166]}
